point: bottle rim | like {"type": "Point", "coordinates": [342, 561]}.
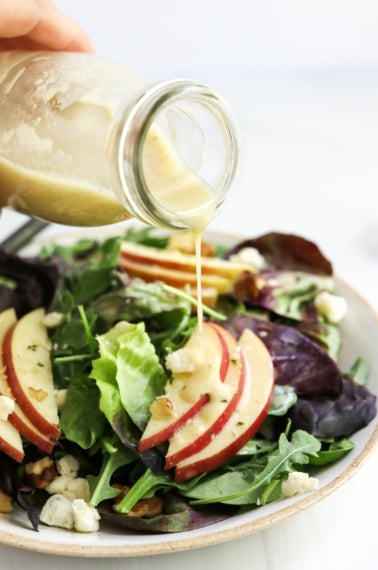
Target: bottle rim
{"type": "Point", "coordinates": [135, 123]}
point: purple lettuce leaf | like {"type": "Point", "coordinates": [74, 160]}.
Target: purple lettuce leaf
{"type": "Point", "coordinates": [341, 417]}
{"type": "Point", "coordinates": [287, 251]}
{"type": "Point", "coordinates": [298, 361]}
{"type": "Point", "coordinates": [294, 271]}
{"type": "Point", "coordinates": [13, 486]}
{"type": "Point", "coordinates": [127, 433]}
{"type": "Point", "coordinates": [178, 516]}
{"type": "Point", "coordinates": [27, 283]}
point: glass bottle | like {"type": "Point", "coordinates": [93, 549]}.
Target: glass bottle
{"type": "Point", "coordinates": [85, 142]}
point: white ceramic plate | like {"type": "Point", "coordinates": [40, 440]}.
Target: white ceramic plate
{"type": "Point", "coordinates": [360, 331]}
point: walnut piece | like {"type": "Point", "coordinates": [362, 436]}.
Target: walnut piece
{"type": "Point", "coordinates": [162, 407]}
{"type": "Point", "coordinates": [5, 503]}
{"type": "Point", "coordinates": [147, 508]}
{"type": "Point", "coordinates": [40, 473]}
{"type": "Point", "coordinates": [248, 286]}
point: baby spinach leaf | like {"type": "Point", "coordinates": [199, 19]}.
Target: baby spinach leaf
{"type": "Point", "coordinates": [230, 485]}
{"type": "Point", "coordinates": [81, 419]}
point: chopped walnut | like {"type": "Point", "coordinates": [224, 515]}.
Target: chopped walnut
{"type": "Point", "coordinates": [41, 473]}
{"type": "Point", "coordinates": [248, 286]}
{"type": "Point", "coordinates": [185, 244]}
{"type": "Point", "coordinates": [162, 407]}
{"type": "Point", "coordinates": [147, 508]}
{"type": "Point", "coordinates": [5, 503]}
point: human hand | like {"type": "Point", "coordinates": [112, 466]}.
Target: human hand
{"type": "Point", "coordinates": [39, 24]}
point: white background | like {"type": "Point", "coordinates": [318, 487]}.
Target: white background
{"type": "Point", "coordinates": [302, 77]}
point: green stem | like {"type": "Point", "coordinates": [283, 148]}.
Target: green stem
{"type": "Point", "coordinates": [90, 338]}
{"type": "Point", "coordinates": [207, 310]}
{"type": "Point", "coordinates": [72, 358]}
{"type": "Point", "coordinates": [145, 485]}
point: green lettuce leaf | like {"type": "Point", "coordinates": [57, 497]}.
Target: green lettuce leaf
{"type": "Point", "coordinates": [128, 373]}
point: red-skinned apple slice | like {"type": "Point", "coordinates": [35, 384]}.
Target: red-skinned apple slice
{"type": "Point", "coordinates": [10, 441]}
{"type": "Point", "coordinates": [26, 354]}
{"type": "Point", "coordinates": [175, 277]}
{"type": "Point", "coordinates": [185, 262]}
{"type": "Point", "coordinates": [188, 392]}
{"type": "Point", "coordinates": [245, 420]}
{"type": "Point", "coordinates": [17, 418]}
{"type": "Point", "coordinates": [198, 433]}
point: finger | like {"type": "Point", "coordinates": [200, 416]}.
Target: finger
{"type": "Point", "coordinates": [39, 23]}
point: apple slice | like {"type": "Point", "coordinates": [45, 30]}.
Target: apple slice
{"type": "Point", "coordinates": [199, 369]}
{"type": "Point", "coordinates": [151, 271]}
{"type": "Point", "coordinates": [26, 355]}
{"type": "Point", "coordinates": [10, 441]}
{"type": "Point", "coordinates": [245, 420]}
{"type": "Point", "coordinates": [17, 418]}
{"type": "Point", "coordinates": [175, 260]}
{"type": "Point", "coordinates": [199, 432]}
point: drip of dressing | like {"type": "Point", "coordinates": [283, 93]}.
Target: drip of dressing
{"type": "Point", "coordinates": [197, 236]}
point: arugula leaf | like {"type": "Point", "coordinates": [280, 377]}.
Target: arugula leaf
{"type": "Point", "coordinates": [147, 485]}
{"type": "Point", "coordinates": [333, 452]}
{"type": "Point", "coordinates": [289, 453]}
{"type": "Point", "coordinates": [100, 486]}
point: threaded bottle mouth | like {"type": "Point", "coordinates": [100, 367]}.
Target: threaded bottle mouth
{"type": "Point", "coordinates": [177, 154]}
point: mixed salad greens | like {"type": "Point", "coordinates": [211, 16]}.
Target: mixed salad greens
{"type": "Point", "coordinates": [109, 350]}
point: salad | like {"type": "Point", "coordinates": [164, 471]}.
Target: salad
{"type": "Point", "coordinates": [100, 340]}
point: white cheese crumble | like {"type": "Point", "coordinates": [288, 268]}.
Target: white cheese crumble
{"type": "Point", "coordinates": [61, 512]}
{"type": "Point", "coordinates": [250, 256]}
{"type": "Point", "coordinates": [57, 511]}
{"type": "Point", "coordinates": [297, 483]}
{"type": "Point", "coordinates": [6, 407]}
{"type": "Point", "coordinates": [70, 487]}
{"type": "Point", "coordinates": [61, 398]}
{"type": "Point", "coordinates": [180, 361]}
{"type": "Point", "coordinates": [86, 518]}
{"type": "Point", "coordinates": [67, 465]}
{"type": "Point", "coordinates": [53, 319]}
{"type": "Point", "coordinates": [332, 307]}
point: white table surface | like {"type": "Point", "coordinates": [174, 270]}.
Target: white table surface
{"type": "Point", "coordinates": [311, 167]}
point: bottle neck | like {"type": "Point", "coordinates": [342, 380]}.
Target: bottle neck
{"type": "Point", "coordinates": [175, 154]}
